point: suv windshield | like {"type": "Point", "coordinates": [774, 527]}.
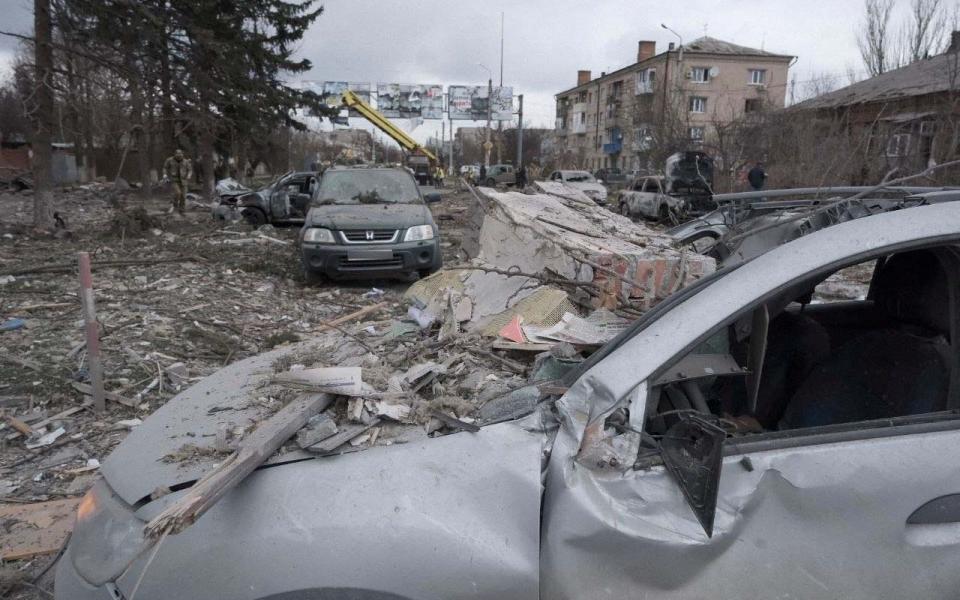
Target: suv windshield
{"type": "Point", "coordinates": [580, 177]}
{"type": "Point", "coordinates": [380, 186]}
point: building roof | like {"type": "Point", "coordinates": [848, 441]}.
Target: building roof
{"type": "Point", "coordinates": [702, 45]}
{"type": "Point", "coordinates": [927, 76]}
{"type": "Point", "coordinates": [709, 45]}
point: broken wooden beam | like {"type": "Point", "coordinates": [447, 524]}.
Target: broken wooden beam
{"type": "Point", "coordinates": [366, 310]}
{"type": "Point", "coordinates": [251, 452]}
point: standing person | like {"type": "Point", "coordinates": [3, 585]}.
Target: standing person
{"type": "Point", "coordinates": [522, 177]}
{"type": "Point", "coordinates": [483, 175]}
{"type": "Point", "coordinates": [438, 176]}
{"type": "Point", "coordinates": [179, 170]}
{"type": "Point", "coordinates": [757, 176]}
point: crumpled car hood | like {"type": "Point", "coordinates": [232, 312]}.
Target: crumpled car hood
{"type": "Point", "coordinates": [368, 216]}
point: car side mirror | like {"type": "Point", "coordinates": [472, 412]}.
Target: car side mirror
{"type": "Point", "coordinates": [432, 197]}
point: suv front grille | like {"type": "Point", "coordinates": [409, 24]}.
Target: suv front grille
{"type": "Point", "coordinates": [369, 236]}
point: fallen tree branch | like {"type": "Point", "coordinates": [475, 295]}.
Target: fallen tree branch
{"type": "Point", "coordinates": [72, 266]}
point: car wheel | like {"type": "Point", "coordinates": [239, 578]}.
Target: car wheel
{"type": "Point", "coordinates": [426, 272]}
{"type": "Point", "coordinates": [663, 215]}
{"type": "Point", "coordinates": [254, 217]}
{"type": "Point", "coordinates": [625, 210]}
{"type": "Point", "coordinates": [491, 182]}
{"type": "Point", "coordinates": [311, 277]}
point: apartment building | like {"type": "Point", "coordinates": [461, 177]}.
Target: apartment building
{"type": "Point", "coordinates": [680, 97]}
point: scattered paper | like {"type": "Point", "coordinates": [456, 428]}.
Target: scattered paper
{"type": "Point", "coordinates": [601, 327]}
{"type": "Point", "coordinates": [45, 439]}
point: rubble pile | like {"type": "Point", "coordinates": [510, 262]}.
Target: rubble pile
{"type": "Point", "coordinates": [548, 277]}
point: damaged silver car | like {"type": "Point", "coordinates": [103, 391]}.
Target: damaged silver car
{"type": "Point", "coordinates": [743, 439]}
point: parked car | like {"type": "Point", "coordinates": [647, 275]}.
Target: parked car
{"type": "Point", "coordinates": [369, 222]}
{"type": "Point", "coordinates": [736, 441]}
{"type": "Point", "coordinates": [610, 176]}
{"type": "Point", "coordinates": [499, 174]}
{"type": "Point", "coordinates": [470, 172]}
{"type": "Point", "coordinates": [646, 198]}
{"type": "Point", "coordinates": [583, 181]}
{"type": "Point", "coordinates": [282, 201]}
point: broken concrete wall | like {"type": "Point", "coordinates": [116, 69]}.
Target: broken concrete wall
{"type": "Point", "coordinates": [560, 230]}
{"type": "Point", "coordinates": [520, 242]}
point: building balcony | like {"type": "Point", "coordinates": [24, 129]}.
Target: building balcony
{"type": "Point", "coordinates": [612, 147]}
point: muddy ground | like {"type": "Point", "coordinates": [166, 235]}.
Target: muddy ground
{"type": "Point", "coordinates": [201, 294]}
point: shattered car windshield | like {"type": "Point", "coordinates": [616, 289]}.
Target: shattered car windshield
{"type": "Point", "coordinates": [367, 187]}
{"type": "Point", "coordinates": [580, 177]}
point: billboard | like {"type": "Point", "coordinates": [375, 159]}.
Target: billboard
{"type": "Point", "coordinates": [469, 103]}
{"type": "Point", "coordinates": [396, 100]}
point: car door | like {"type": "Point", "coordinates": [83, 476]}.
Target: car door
{"type": "Point", "coordinates": [859, 509]}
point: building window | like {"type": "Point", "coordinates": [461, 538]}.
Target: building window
{"type": "Point", "coordinates": [700, 74]}
{"type": "Point", "coordinates": [751, 105]}
{"type": "Point", "coordinates": [581, 97]}
{"type": "Point", "coordinates": [698, 104]}
{"type": "Point", "coordinates": [696, 134]}
{"type": "Point", "coordinates": [590, 97]}
{"type": "Point", "coordinates": [758, 76]}
{"type": "Point", "coordinates": [645, 81]}
{"type": "Point", "coordinates": [617, 89]}
{"type": "Point", "coordinates": [898, 145]}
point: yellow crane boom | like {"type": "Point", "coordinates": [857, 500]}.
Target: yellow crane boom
{"type": "Point", "coordinates": [353, 101]}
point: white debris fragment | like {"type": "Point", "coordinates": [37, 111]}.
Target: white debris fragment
{"type": "Point", "coordinates": [397, 412]}
{"type": "Point", "coordinates": [7, 279]}
{"type": "Point", "coordinates": [45, 439]}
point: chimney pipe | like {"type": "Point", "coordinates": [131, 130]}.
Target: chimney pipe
{"type": "Point", "coordinates": [645, 50]}
{"type": "Point", "coordinates": [954, 41]}
{"type": "Point", "coordinates": [583, 77]}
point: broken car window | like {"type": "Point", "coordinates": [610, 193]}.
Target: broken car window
{"type": "Point", "coordinates": [580, 177]}
{"type": "Point", "coordinates": [374, 186]}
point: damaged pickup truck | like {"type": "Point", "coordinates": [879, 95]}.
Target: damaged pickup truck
{"type": "Point", "coordinates": [737, 441]}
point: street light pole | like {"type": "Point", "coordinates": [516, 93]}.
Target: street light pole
{"type": "Point", "coordinates": [487, 145]}
{"type": "Point", "coordinates": [520, 134]}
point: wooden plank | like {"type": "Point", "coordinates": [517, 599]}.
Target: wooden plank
{"type": "Point", "coordinates": [87, 390]}
{"type": "Point", "coordinates": [354, 315]}
{"type": "Point", "coordinates": [37, 528]}
{"type": "Point", "coordinates": [527, 347]}
{"type": "Point", "coordinates": [18, 425]}
{"type": "Point", "coordinates": [347, 432]}
{"type": "Point", "coordinates": [250, 454]}
{"type": "Point", "coordinates": [60, 415]}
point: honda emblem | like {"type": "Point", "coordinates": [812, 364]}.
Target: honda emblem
{"type": "Point", "coordinates": [369, 235]}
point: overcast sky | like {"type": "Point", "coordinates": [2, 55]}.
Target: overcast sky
{"type": "Point", "coordinates": [546, 41]}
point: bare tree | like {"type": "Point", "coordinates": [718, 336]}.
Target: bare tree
{"type": "Point", "coordinates": [43, 116]}
{"type": "Point", "coordinates": [874, 39]}
{"type": "Point", "coordinates": [924, 32]}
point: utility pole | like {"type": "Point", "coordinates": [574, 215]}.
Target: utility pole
{"type": "Point", "coordinates": [443, 141]}
{"type": "Point", "coordinates": [450, 154]}
{"type": "Point", "coordinates": [519, 161]}
{"type": "Point", "coordinates": [487, 145]}
{"type": "Point", "coordinates": [44, 118]}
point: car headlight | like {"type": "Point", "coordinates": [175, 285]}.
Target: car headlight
{"type": "Point", "coordinates": [319, 235]}
{"type": "Point", "coordinates": [418, 233]}
{"type": "Point", "coordinates": [107, 536]}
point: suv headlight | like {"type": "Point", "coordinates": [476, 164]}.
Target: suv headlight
{"type": "Point", "coordinates": [318, 235]}
{"type": "Point", "coordinates": [418, 233]}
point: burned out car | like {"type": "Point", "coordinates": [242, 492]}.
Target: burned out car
{"type": "Point", "coordinates": [285, 200]}
{"type": "Point", "coordinates": [369, 222]}
{"type": "Point", "coordinates": [737, 441]}
{"type": "Point", "coordinates": [647, 198]}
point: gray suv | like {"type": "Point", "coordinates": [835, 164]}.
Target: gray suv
{"type": "Point", "coordinates": [369, 222]}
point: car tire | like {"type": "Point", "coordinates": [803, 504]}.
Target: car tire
{"type": "Point", "coordinates": [490, 182]}
{"type": "Point", "coordinates": [625, 210]}
{"type": "Point", "coordinates": [426, 272]}
{"type": "Point", "coordinates": [311, 277]}
{"type": "Point", "coordinates": [254, 217]}
{"type": "Point", "coordinates": [663, 215]}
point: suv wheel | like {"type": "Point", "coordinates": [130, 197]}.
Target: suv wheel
{"type": "Point", "coordinates": [491, 182]}
{"type": "Point", "coordinates": [255, 217]}
{"type": "Point", "coordinates": [625, 210]}
{"type": "Point", "coordinates": [311, 277]}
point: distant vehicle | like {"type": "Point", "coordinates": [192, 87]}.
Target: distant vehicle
{"type": "Point", "coordinates": [583, 181]}
{"type": "Point", "coordinates": [610, 176]}
{"type": "Point", "coordinates": [690, 174]}
{"type": "Point", "coordinates": [284, 200]}
{"type": "Point", "coordinates": [499, 174]}
{"type": "Point", "coordinates": [471, 172]}
{"type": "Point", "coordinates": [647, 198]}
{"type": "Point", "coordinates": [420, 165]}
{"type": "Point", "coordinates": [369, 222]}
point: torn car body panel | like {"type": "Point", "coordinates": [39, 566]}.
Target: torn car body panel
{"type": "Point", "coordinates": [612, 530]}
